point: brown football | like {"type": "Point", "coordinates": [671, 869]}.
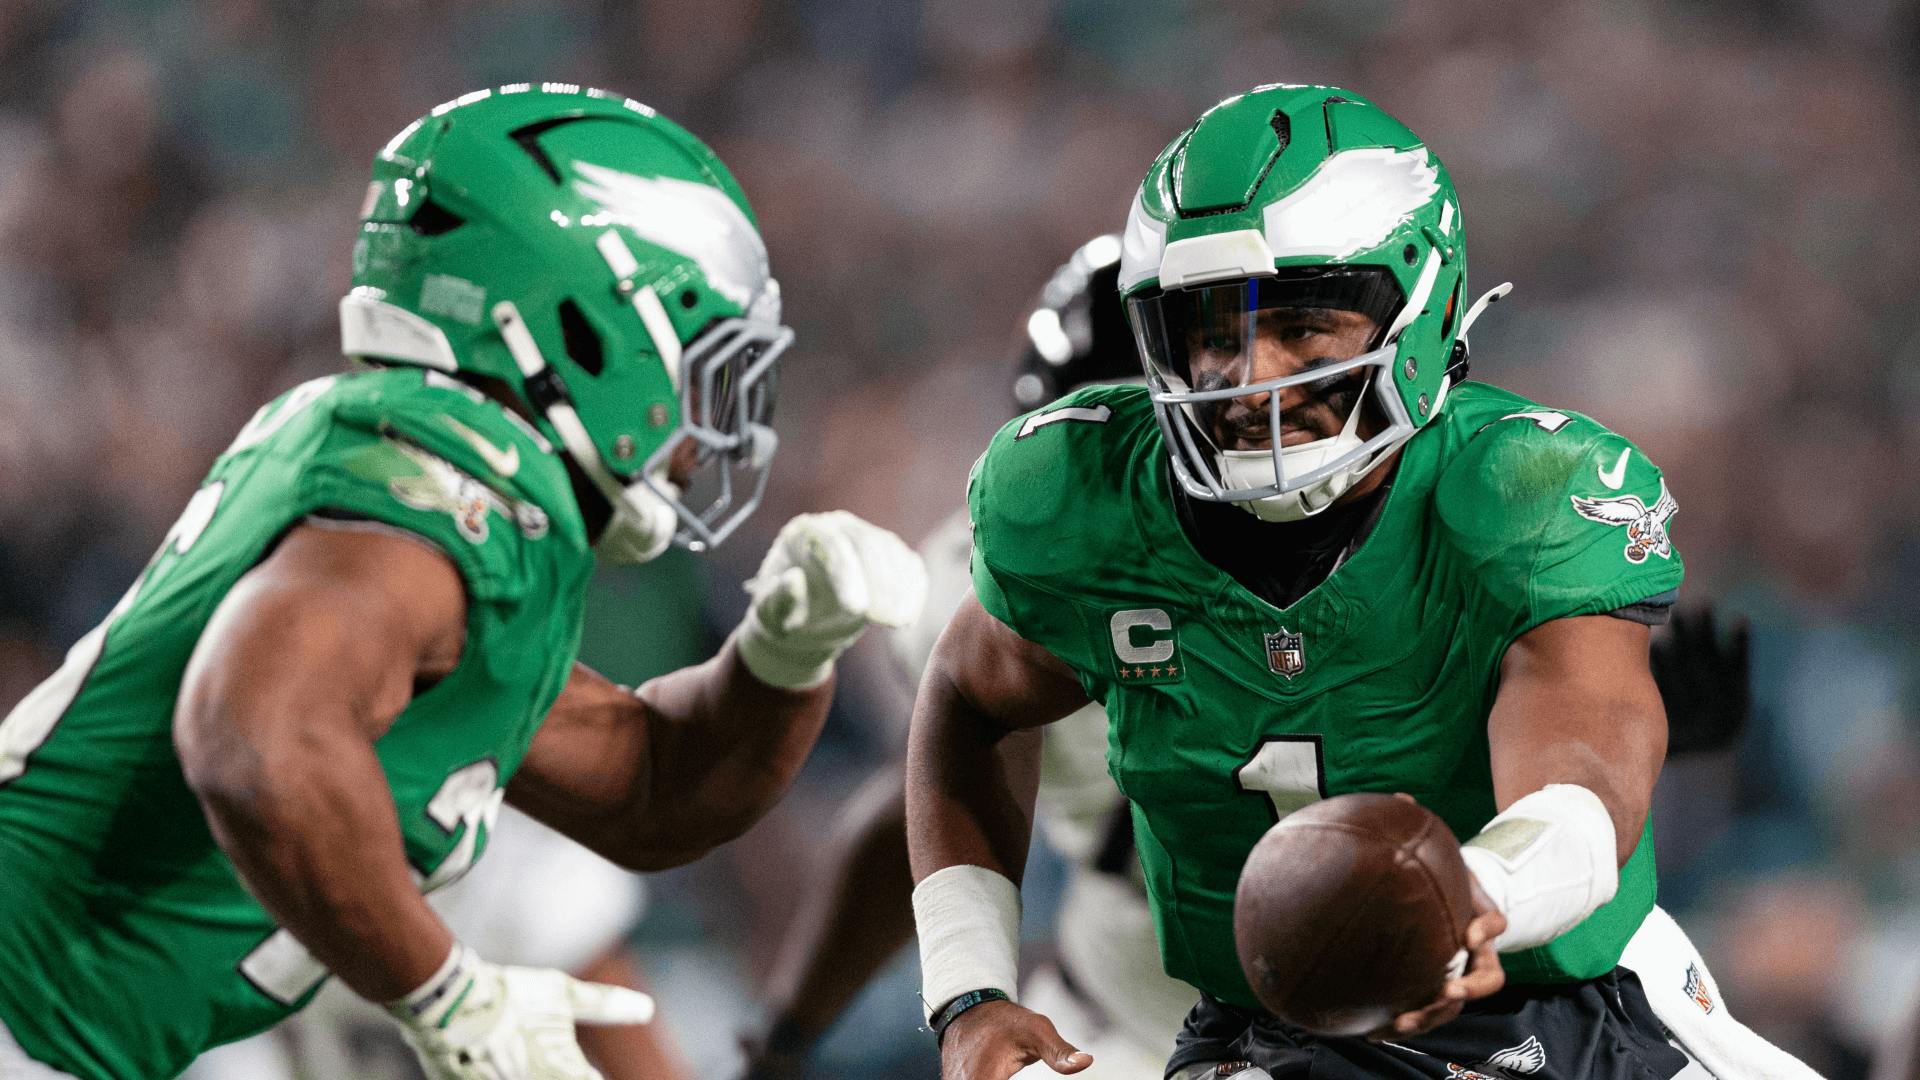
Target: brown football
{"type": "Point", "coordinates": [1351, 911]}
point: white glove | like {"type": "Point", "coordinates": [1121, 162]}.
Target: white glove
{"type": "Point", "coordinates": [479, 1021]}
{"type": "Point", "coordinates": [826, 577]}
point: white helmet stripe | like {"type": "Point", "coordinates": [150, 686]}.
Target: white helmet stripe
{"type": "Point", "coordinates": [653, 314]}
{"type": "Point", "coordinates": [1422, 288]}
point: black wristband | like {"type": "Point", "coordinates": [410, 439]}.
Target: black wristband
{"type": "Point", "coordinates": [951, 1012]}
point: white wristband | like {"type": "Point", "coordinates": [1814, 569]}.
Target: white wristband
{"type": "Point", "coordinates": [1547, 862]}
{"type": "Point", "coordinates": [432, 998]}
{"type": "Point", "coordinates": [969, 923]}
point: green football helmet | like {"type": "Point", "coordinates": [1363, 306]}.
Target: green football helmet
{"type": "Point", "coordinates": [604, 266]}
{"type": "Point", "coordinates": [1294, 197]}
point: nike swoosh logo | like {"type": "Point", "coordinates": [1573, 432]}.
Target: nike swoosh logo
{"type": "Point", "coordinates": [504, 462]}
{"type": "Point", "coordinates": [1617, 475]}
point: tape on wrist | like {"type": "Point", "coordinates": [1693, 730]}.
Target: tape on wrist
{"type": "Point", "coordinates": [1547, 862]}
{"type": "Point", "coordinates": [968, 919]}
{"type": "Point", "coordinates": [440, 991]}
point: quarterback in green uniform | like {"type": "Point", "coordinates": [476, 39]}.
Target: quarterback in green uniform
{"type": "Point", "coordinates": [360, 637]}
{"type": "Point", "coordinates": [1307, 558]}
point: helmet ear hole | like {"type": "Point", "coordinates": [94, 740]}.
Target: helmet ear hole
{"type": "Point", "coordinates": [581, 340]}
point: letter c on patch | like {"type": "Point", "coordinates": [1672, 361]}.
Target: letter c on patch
{"type": "Point", "coordinates": [1159, 646]}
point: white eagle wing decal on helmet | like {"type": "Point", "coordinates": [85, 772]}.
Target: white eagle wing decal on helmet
{"type": "Point", "coordinates": [1141, 245]}
{"type": "Point", "coordinates": [694, 220]}
{"type": "Point", "coordinates": [1351, 202]}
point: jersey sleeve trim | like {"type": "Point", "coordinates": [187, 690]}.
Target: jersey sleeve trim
{"type": "Point", "coordinates": [349, 498]}
{"type": "Point", "coordinates": [1652, 611]}
{"type": "Point", "coordinates": [327, 517]}
{"type": "Point", "coordinates": [1647, 580]}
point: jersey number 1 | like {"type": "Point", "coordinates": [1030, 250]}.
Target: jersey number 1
{"type": "Point", "coordinates": [1290, 770]}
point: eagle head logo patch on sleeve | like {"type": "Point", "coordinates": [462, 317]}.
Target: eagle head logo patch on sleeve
{"type": "Point", "coordinates": [1646, 525]}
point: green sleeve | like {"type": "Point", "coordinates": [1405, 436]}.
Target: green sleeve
{"type": "Point", "coordinates": [1559, 522]}
{"type": "Point", "coordinates": [373, 476]}
{"type": "Point", "coordinates": [1604, 547]}
{"type": "Point", "coordinates": [1007, 529]}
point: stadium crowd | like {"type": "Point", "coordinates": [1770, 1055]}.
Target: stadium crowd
{"type": "Point", "coordinates": [1706, 209]}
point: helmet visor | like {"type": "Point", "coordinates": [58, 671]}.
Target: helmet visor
{"type": "Point", "coordinates": [1265, 363]}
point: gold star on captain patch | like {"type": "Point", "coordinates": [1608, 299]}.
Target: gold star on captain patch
{"type": "Point", "coordinates": [1138, 672]}
{"type": "Point", "coordinates": [1156, 672]}
{"type": "Point", "coordinates": [1171, 670]}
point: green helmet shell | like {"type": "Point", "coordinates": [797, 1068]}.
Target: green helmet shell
{"type": "Point", "coordinates": [615, 236]}
{"type": "Point", "coordinates": [1309, 176]}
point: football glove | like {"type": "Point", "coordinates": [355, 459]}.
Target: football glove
{"type": "Point", "coordinates": [1704, 678]}
{"type": "Point", "coordinates": [481, 1021]}
{"type": "Point", "coordinates": [826, 577]}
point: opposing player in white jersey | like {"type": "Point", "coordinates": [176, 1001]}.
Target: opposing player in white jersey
{"type": "Point", "coordinates": [1104, 986]}
{"type": "Point", "coordinates": [1105, 983]}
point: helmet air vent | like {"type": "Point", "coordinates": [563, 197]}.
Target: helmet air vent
{"type": "Point", "coordinates": [432, 219]}
{"type": "Point", "coordinates": [582, 342]}
{"type": "Point", "coordinates": [529, 139]}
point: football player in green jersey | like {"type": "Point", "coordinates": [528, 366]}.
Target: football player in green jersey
{"type": "Point", "coordinates": [1308, 558]}
{"type": "Point", "coordinates": [360, 637]}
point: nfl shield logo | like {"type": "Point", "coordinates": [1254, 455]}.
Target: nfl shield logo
{"type": "Point", "coordinates": [1286, 653]}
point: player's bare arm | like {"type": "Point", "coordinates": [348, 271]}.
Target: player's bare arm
{"type": "Point", "coordinates": [972, 770]}
{"type": "Point", "coordinates": [305, 664]}
{"type": "Point", "coordinates": [657, 776]}
{"type": "Point", "coordinates": [1577, 707]}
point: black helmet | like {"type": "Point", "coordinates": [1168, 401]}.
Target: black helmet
{"type": "Point", "coordinates": [1078, 334]}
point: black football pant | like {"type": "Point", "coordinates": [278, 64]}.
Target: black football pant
{"type": "Point", "coordinates": [1597, 1030]}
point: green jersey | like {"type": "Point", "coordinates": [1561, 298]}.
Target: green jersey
{"type": "Point", "coordinates": [1227, 712]}
{"type": "Point", "coordinates": [130, 943]}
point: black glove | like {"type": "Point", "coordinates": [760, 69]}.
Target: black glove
{"type": "Point", "coordinates": [1703, 679]}
{"type": "Point", "coordinates": [781, 1054]}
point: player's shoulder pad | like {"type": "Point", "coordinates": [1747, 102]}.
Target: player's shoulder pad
{"type": "Point", "coordinates": [1055, 488]}
{"type": "Point", "coordinates": [1539, 490]}
{"type": "Point", "coordinates": [417, 451]}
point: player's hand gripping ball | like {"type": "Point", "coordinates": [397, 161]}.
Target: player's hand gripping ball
{"type": "Point", "coordinates": [1353, 912]}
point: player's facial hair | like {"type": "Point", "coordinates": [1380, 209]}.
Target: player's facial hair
{"type": "Point", "coordinates": [1323, 409]}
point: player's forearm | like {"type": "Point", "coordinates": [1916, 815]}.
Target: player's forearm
{"type": "Point", "coordinates": [1518, 773]}
{"type": "Point", "coordinates": [312, 830]}
{"type": "Point", "coordinates": [723, 747]}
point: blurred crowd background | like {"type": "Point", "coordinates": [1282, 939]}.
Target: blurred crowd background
{"type": "Point", "coordinates": [1708, 208]}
